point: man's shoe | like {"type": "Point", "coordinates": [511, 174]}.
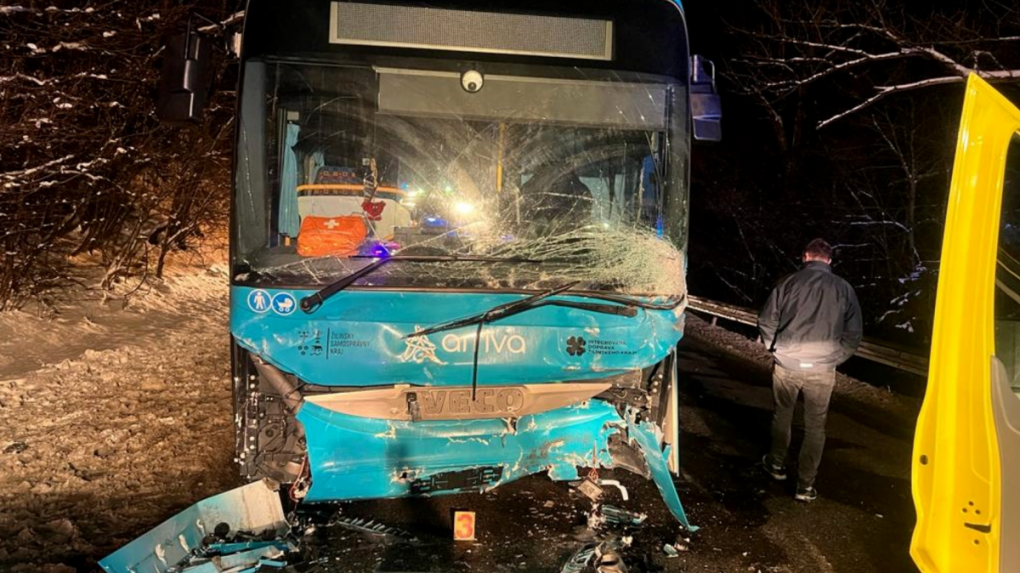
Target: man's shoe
{"type": "Point", "coordinates": [806, 494]}
{"type": "Point", "coordinates": [778, 473]}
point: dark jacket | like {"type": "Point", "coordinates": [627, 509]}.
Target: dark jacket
{"type": "Point", "coordinates": [813, 317]}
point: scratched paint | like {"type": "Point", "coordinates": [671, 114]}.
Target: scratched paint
{"type": "Point", "coordinates": [362, 458]}
{"type": "Point", "coordinates": [358, 339]}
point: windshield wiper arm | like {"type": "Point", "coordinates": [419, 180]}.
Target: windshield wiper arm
{"type": "Point", "coordinates": [494, 313]}
{"type": "Point", "coordinates": [535, 301]}
{"type": "Point", "coordinates": [313, 301]}
{"type": "Point", "coordinates": [626, 308]}
{"type": "Point", "coordinates": [497, 312]}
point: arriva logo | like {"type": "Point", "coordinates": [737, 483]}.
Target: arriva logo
{"type": "Point", "coordinates": [492, 342]}
{"type": "Point", "coordinates": [419, 349]}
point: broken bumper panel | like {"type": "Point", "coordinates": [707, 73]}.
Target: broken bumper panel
{"type": "Point", "coordinates": [646, 435]}
{"type": "Point", "coordinates": [254, 508]}
{"type": "Point", "coordinates": [353, 457]}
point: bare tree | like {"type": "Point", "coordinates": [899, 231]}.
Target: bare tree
{"type": "Point", "coordinates": [85, 166]}
{"type": "Point", "coordinates": [867, 51]}
{"type": "Point", "coordinates": [885, 80]}
{"type": "Point", "coordinates": [896, 179]}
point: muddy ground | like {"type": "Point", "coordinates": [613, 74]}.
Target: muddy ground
{"type": "Point", "coordinates": [112, 419]}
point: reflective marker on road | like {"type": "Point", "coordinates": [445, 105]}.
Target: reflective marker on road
{"type": "Point", "coordinates": [463, 526]}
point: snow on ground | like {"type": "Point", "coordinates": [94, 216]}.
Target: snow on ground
{"type": "Point", "coordinates": [115, 415]}
{"type": "Point", "coordinates": [111, 419]}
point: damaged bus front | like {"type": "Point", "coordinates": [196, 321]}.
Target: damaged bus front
{"type": "Point", "coordinates": [457, 243]}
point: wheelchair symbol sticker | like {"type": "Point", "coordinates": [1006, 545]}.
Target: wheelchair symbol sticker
{"type": "Point", "coordinates": [259, 300]}
{"type": "Point", "coordinates": [284, 303]}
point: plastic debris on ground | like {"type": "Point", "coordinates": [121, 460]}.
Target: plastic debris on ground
{"type": "Point", "coordinates": [615, 516]}
{"type": "Point", "coordinates": [611, 526]}
{"type": "Point", "coordinates": [374, 528]}
{"type": "Point", "coordinates": [623, 490]}
{"type": "Point", "coordinates": [590, 489]}
{"type": "Point", "coordinates": [580, 560]}
{"type": "Point", "coordinates": [601, 557]}
{"type": "Point", "coordinates": [243, 530]}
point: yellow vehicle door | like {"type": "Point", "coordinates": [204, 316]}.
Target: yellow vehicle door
{"type": "Point", "coordinates": [966, 459]}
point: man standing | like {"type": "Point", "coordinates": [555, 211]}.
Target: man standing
{"type": "Point", "coordinates": [811, 323]}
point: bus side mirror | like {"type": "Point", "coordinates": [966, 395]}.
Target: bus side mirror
{"type": "Point", "coordinates": [184, 78]}
{"type": "Point", "coordinates": [706, 105]}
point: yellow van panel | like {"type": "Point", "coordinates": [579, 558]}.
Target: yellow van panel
{"type": "Point", "coordinates": [956, 463]}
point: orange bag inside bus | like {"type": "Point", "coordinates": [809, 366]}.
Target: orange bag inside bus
{"type": "Point", "coordinates": [322, 236]}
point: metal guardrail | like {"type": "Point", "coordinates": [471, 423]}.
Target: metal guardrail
{"type": "Point", "coordinates": [870, 349]}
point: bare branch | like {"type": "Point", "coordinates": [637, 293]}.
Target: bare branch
{"type": "Point", "coordinates": [884, 91]}
{"type": "Point", "coordinates": [844, 43]}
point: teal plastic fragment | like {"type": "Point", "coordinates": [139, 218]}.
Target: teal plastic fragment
{"type": "Point", "coordinates": [644, 434]}
{"type": "Point", "coordinates": [254, 507]}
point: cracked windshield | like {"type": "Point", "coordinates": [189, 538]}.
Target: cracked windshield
{"type": "Point", "coordinates": [553, 178]}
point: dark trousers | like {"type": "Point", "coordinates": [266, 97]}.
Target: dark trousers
{"type": "Point", "coordinates": [817, 390]}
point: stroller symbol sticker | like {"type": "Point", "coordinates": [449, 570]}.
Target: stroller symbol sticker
{"type": "Point", "coordinates": [284, 303]}
{"type": "Point", "coordinates": [258, 300]}
{"type": "Point", "coordinates": [419, 349]}
{"type": "Point", "coordinates": [575, 345]}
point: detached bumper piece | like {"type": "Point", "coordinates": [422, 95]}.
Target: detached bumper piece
{"type": "Point", "coordinates": [239, 531]}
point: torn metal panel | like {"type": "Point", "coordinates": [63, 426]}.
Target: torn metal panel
{"type": "Point", "coordinates": [255, 507]}
{"type": "Point", "coordinates": [648, 438]}
{"type": "Point", "coordinates": [263, 566]}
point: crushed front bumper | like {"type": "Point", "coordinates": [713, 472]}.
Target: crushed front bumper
{"type": "Point", "coordinates": [353, 457]}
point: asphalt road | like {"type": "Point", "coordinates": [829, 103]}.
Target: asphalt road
{"type": "Point", "coordinates": [861, 523]}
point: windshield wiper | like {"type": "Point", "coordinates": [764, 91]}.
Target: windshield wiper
{"type": "Point", "coordinates": [313, 301]}
{"type": "Point", "coordinates": [625, 308]}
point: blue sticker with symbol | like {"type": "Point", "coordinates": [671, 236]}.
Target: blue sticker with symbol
{"type": "Point", "coordinates": [259, 300]}
{"type": "Point", "coordinates": [284, 303]}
